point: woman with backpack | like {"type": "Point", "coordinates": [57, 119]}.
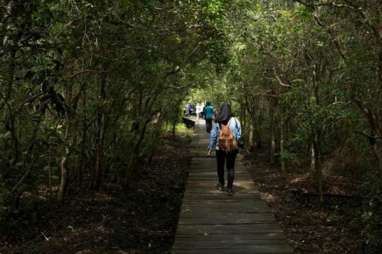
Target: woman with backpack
{"type": "Point", "coordinates": [208, 113]}
{"type": "Point", "coordinates": [224, 138]}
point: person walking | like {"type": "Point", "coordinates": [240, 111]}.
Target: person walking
{"type": "Point", "coordinates": [224, 138]}
{"type": "Point", "coordinates": [199, 110]}
{"type": "Point", "coordinates": [189, 109]}
{"type": "Point", "coordinates": [208, 114]}
{"type": "Point", "coordinates": [202, 106]}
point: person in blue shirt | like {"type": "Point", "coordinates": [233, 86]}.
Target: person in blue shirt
{"type": "Point", "coordinates": [226, 118]}
{"type": "Point", "coordinates": [189, 109]}
{"type": "Point", "coordinates": [208, 113]}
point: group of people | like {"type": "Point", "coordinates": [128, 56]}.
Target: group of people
{"type": "Point", "coordinates": [197, 109]}
{"type": "Point", "coordinates": [224, 137]}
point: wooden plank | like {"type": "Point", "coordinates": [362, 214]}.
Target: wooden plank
{"type": "Point", "coordinates": [228, 229]}
{"type": "Point", "coordinates": [261, 246]}
{"type": "Point", "coordinates": [208, 165]}
{"type": "Point", "coordinates": [242, 249]}
{"type": "Point", "coordinates": [211, 193]}
{"type": "Point", "coordinates": [211, 188]}
{"type": "Point", "coordinates": [218, 196]}
{"type": "Point", "coordinates": [213, 219]}
{"type": "Point", "coordinates": [212, 184]}
{"type": "Point", "coordinates": [214, 179]}
{"type": "Point", "coordinates": [209, 160]}
{"type": "Point", "coordinates": [228, 214]}
{"type": "Point", "coordinates": [224, 251]}
{"type": "Point", "coordinates": [211, 167]}
{"type": "Point", "coordinates": [219, 237]}
{"type": "Point", "coordinates": [228, 202]}
{"type": "Point", "coordinates": [212, 173]}
{"type": "Point", "coordinates": [254, 210]}
{"type": "Point", "coordinates": [206, 243]}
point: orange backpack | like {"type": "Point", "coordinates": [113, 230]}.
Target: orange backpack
{"type": "Point", "coordinates": [226, 139]}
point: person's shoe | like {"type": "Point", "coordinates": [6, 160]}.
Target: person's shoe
{"type": "Point", "coordinates": [230, 191]}
{"type": "Point", "coordinates": [220, 187]}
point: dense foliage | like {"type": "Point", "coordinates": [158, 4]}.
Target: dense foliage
{"type": "Point", "coordinates": [87, 86]}
{"type": "Point", "coordinates": [306, 77]}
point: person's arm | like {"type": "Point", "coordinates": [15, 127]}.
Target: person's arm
{"type": "Point", "coordinates": [238, 128]}
{"type": "Point", "coordinates": [213, 138]}
{"type": "Point", "coordinates": [235, 128]}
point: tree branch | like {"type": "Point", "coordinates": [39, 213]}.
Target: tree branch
{"type": "Point", "coordinates": [84, 72]}
{"type": "Point", "coordinates": [283, 84]}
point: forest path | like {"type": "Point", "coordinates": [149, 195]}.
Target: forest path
{"type": "Point", "coordinates": [211, 221]}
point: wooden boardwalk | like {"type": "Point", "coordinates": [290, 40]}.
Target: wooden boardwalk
{"type": "Point", "coordinates": [213, 222]}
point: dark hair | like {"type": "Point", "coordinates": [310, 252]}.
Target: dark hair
{"type": "Point", "coordinates": [225, 113]}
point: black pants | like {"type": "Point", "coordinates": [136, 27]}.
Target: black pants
{"type": "Point", "coordinates": [228, 158]}
{"type": "Point", "coordinates": [208, 125]}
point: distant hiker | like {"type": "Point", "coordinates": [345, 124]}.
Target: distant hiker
{"type": "Point", "coordinates": [208, 115]}
{"type": "Point", "coordinates": [224, 138]}
{"type": "Point", "coordinates": [189, 109]}
{"type": "Point", "coordinates": [203, 106]}
{"type": "Point", "coordinates": [199, 109]}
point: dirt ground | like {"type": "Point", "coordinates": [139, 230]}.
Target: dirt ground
{"type": "Point", "coordinates": [142, 219]}
{"type": "Point", "coordinates": [311, 226]}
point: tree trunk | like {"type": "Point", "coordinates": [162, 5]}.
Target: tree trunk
{"type": "Point", "coordinates": [315, 167]}
{"type": "Point", "coordinates": [50, 173]}
{"type": "Point", "coordinates": [282, 148]}
{"type": "Point", "coordinates": [273, 136]}
{"type": "Point", "coordinates": [100, 135]}
{"type": "Point", "coordinates": [173, 129]}
{"type": "Point", "coordinates": [377, 150]}
{"type": "Point", "coordinates": [11, 123]}
{"type": "Point", "coordinates": [64, 176]}
{"type": "Point", "coordinates": [63, 169]}
{"type": "Point", "coordinates": [251, 135]}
